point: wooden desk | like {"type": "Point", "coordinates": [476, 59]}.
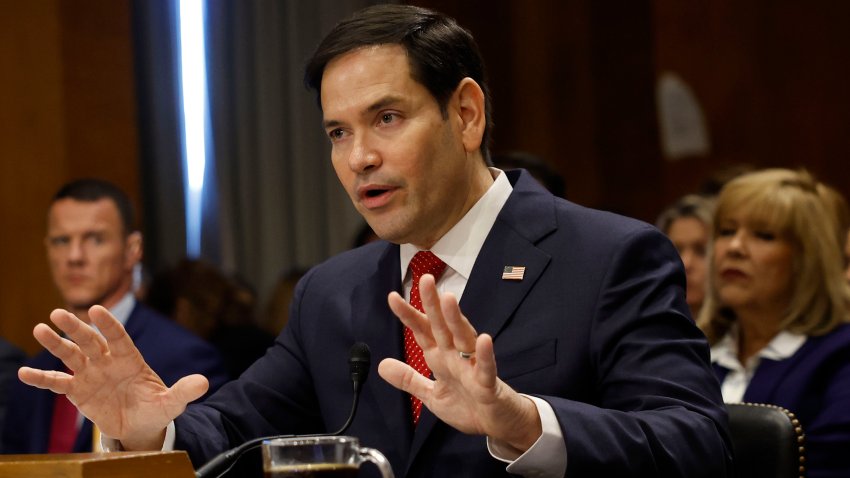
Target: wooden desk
{"type": "Point", "coordinates": [174, 464]}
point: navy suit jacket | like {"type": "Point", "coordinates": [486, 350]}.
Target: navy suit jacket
{"type": "Point", "coordinates": [11, 358]}
{"type": "Point", "coordinates": [814, 384]}
{"type": "Point", "coordinates": [172, 351]}
{"type": "Point", "coordinates": [598, 327]}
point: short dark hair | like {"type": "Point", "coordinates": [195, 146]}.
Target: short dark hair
{"type": "Point", "coordinates": [91, 189]}
{"type": "Point", "coordinates": [441, 52]}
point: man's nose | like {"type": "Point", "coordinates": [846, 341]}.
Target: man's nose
{"type": "Point", "coordinates": [76, 251]}
{"type": "Point", "coordinates": [364, 156]}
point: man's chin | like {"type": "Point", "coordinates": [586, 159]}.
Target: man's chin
{"type": "Point", "coordinates": [79, 305]}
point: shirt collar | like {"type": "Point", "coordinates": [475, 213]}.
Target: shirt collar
{"type": "Point", "coordinates": [782, 346]}
{"type": "Point", "coordinates": [124, 308]}
{"type": "Point", "coordinates": [459, 247]}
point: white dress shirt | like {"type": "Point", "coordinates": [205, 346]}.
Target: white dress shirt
{"type": "Point", "coordinates": [725, 354]}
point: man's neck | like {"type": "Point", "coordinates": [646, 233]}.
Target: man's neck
{"type": "Point", "coordinates": [82, 312]}
{"type": "Point", "coordinates": [481, 182]}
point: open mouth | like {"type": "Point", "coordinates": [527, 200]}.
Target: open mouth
{"type": "Point", "coordinates": [375, 192]}
{"type": "Point", "coordinates": [376, 196]}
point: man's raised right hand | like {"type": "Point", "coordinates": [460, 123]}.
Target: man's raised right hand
{"type": "Point", "coordinates": [110, 382]}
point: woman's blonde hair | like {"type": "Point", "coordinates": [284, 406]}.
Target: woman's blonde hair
{"type": "Point", "coordinates": [806, 213]}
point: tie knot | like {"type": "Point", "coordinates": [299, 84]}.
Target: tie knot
{"type": "Point", "coordinates": [425, 262]}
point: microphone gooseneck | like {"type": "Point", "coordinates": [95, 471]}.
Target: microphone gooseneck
{"type": "Point", "coordinates": [359, 360]}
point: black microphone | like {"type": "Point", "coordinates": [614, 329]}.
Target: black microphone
{"type": "Point", "coordinates": [359, 359]}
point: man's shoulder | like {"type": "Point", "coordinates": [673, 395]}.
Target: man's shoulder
{"type": "Point", "coordinates": [577, 224]}
{"type": "Point", "coordinates": [535, 211]}
{"type": "Point", "coordinates": [8, 351]}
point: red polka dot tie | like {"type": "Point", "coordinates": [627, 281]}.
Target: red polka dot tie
{"type": "Point", "coordinates": [424, 262]}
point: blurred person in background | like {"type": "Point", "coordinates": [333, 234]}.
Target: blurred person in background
{"type": "Point", "coordinates": [215, 306]}
{"type": "Point", "coordinates": [687, 223]}
{"type": "Point", "coordinates": [541, 170]}
{"type": "Point", "coordinates": [840, 209]}
{"type": "Point", "coordinates": [92, 250]}
{"type": "Point", "coordinates": [777, 311]}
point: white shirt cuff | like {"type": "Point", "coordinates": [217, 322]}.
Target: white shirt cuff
{"type": "Point", "coordinates": [546, 458]}
{"type": "Point", "coordinates": [111, 444]}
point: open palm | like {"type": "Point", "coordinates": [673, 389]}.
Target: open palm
{"type": "Point", "coordinates": [109, 381]}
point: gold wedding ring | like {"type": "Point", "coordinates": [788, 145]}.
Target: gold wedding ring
{"type": "Point", "coordinates": [466, 355]}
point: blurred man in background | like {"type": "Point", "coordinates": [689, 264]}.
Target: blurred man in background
{"type": "Point", "coordinates": [92, 249]}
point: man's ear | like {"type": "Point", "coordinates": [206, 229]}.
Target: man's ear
{"type": "Point", "coordinates": [133, 250]}
{"type": "Point", "coordinates": [471, 107]}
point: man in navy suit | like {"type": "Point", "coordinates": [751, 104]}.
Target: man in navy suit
{"type": "Point", "coordinates": [601, 371]}
{"type": "Point", "coordinates": [92, 249]}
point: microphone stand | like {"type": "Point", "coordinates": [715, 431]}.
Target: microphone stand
{"type": "Point", "coordinates": [359, 364]}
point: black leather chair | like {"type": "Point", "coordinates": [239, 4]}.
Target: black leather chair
{"type": "Point", "coordinates": [767, 441]}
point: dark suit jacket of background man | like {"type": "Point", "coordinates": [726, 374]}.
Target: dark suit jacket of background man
{"type": "Point", "coordinates": [598, 327]}
{"type": "Point", "coordinates": [11, 358]}
{"type": "Point", "coordinates": [172, 352]}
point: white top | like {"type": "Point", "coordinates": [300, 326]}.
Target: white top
{"type": "Point", "coordinates": [725, 354]}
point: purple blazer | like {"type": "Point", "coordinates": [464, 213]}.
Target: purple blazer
{"type": "Point", "coordinates": [172, 351]}
{"type": "Point", "coordinates": [814, 384]}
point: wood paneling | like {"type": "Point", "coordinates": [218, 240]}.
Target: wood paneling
{"type": "Point", "coordinates": [772, 79]}
{"type": "Point", "coordinates": [573, 81]}
{"type": "Point", "coordinates": [67, 111]}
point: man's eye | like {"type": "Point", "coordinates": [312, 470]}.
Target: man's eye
{"type": "Point", "coordinates": [387, 118]}
{"type": "Point", "coordinates": [96, 239]}
{"type": "Point", "coordinates": [58, 241]}
{"type": "Point", "coordinates": [335, 134]}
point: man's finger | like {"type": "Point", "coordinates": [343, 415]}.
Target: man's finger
{"type": "Point", "coordinates": [405, 378]}
{"type": "Point", "coordinates": [462, 332]}
{"type": "Point", "coordinates": [90, 343]}
{"type": "Point", "coordinates": [412, 318]}
{"type": "Point", "coordinates": [431, 304]}
{"type": "Point", "coordinates": [485, 365]}
{"type": "Point", "coordinates": [119, 342]}
{"type": "Point", "coordinates": [186, 390]}
{"type": "Point", "coordinates": [58, 382]}
{"type": "Point", "coordinates": [61, 348]}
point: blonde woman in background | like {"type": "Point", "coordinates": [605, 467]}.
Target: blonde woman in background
{"type": "Point", "coordinates": [776, 313]}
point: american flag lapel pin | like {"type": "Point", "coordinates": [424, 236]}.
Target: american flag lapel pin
{"type": "Point", "coordinates": [513, 272]}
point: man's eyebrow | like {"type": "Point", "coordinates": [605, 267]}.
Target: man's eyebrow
{"type": "Point", "coordinates": [371, 109]}
{"type": "Point", "coordinates": [382, 103]}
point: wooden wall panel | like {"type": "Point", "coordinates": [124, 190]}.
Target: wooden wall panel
{"type": "Point", "coordinates": [574, 80]}
{"type": "Point", "coordinates": [772, 79]}
{"type": "Point", "coordinates": [67, 111]}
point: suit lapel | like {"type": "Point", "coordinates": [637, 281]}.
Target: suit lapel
{"type": "Point", "coordinates": [375, 325]}
{"type": "Point", "coordinates": [488, 301]}
{"type": "Point", "coordinates": [772, 374]}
